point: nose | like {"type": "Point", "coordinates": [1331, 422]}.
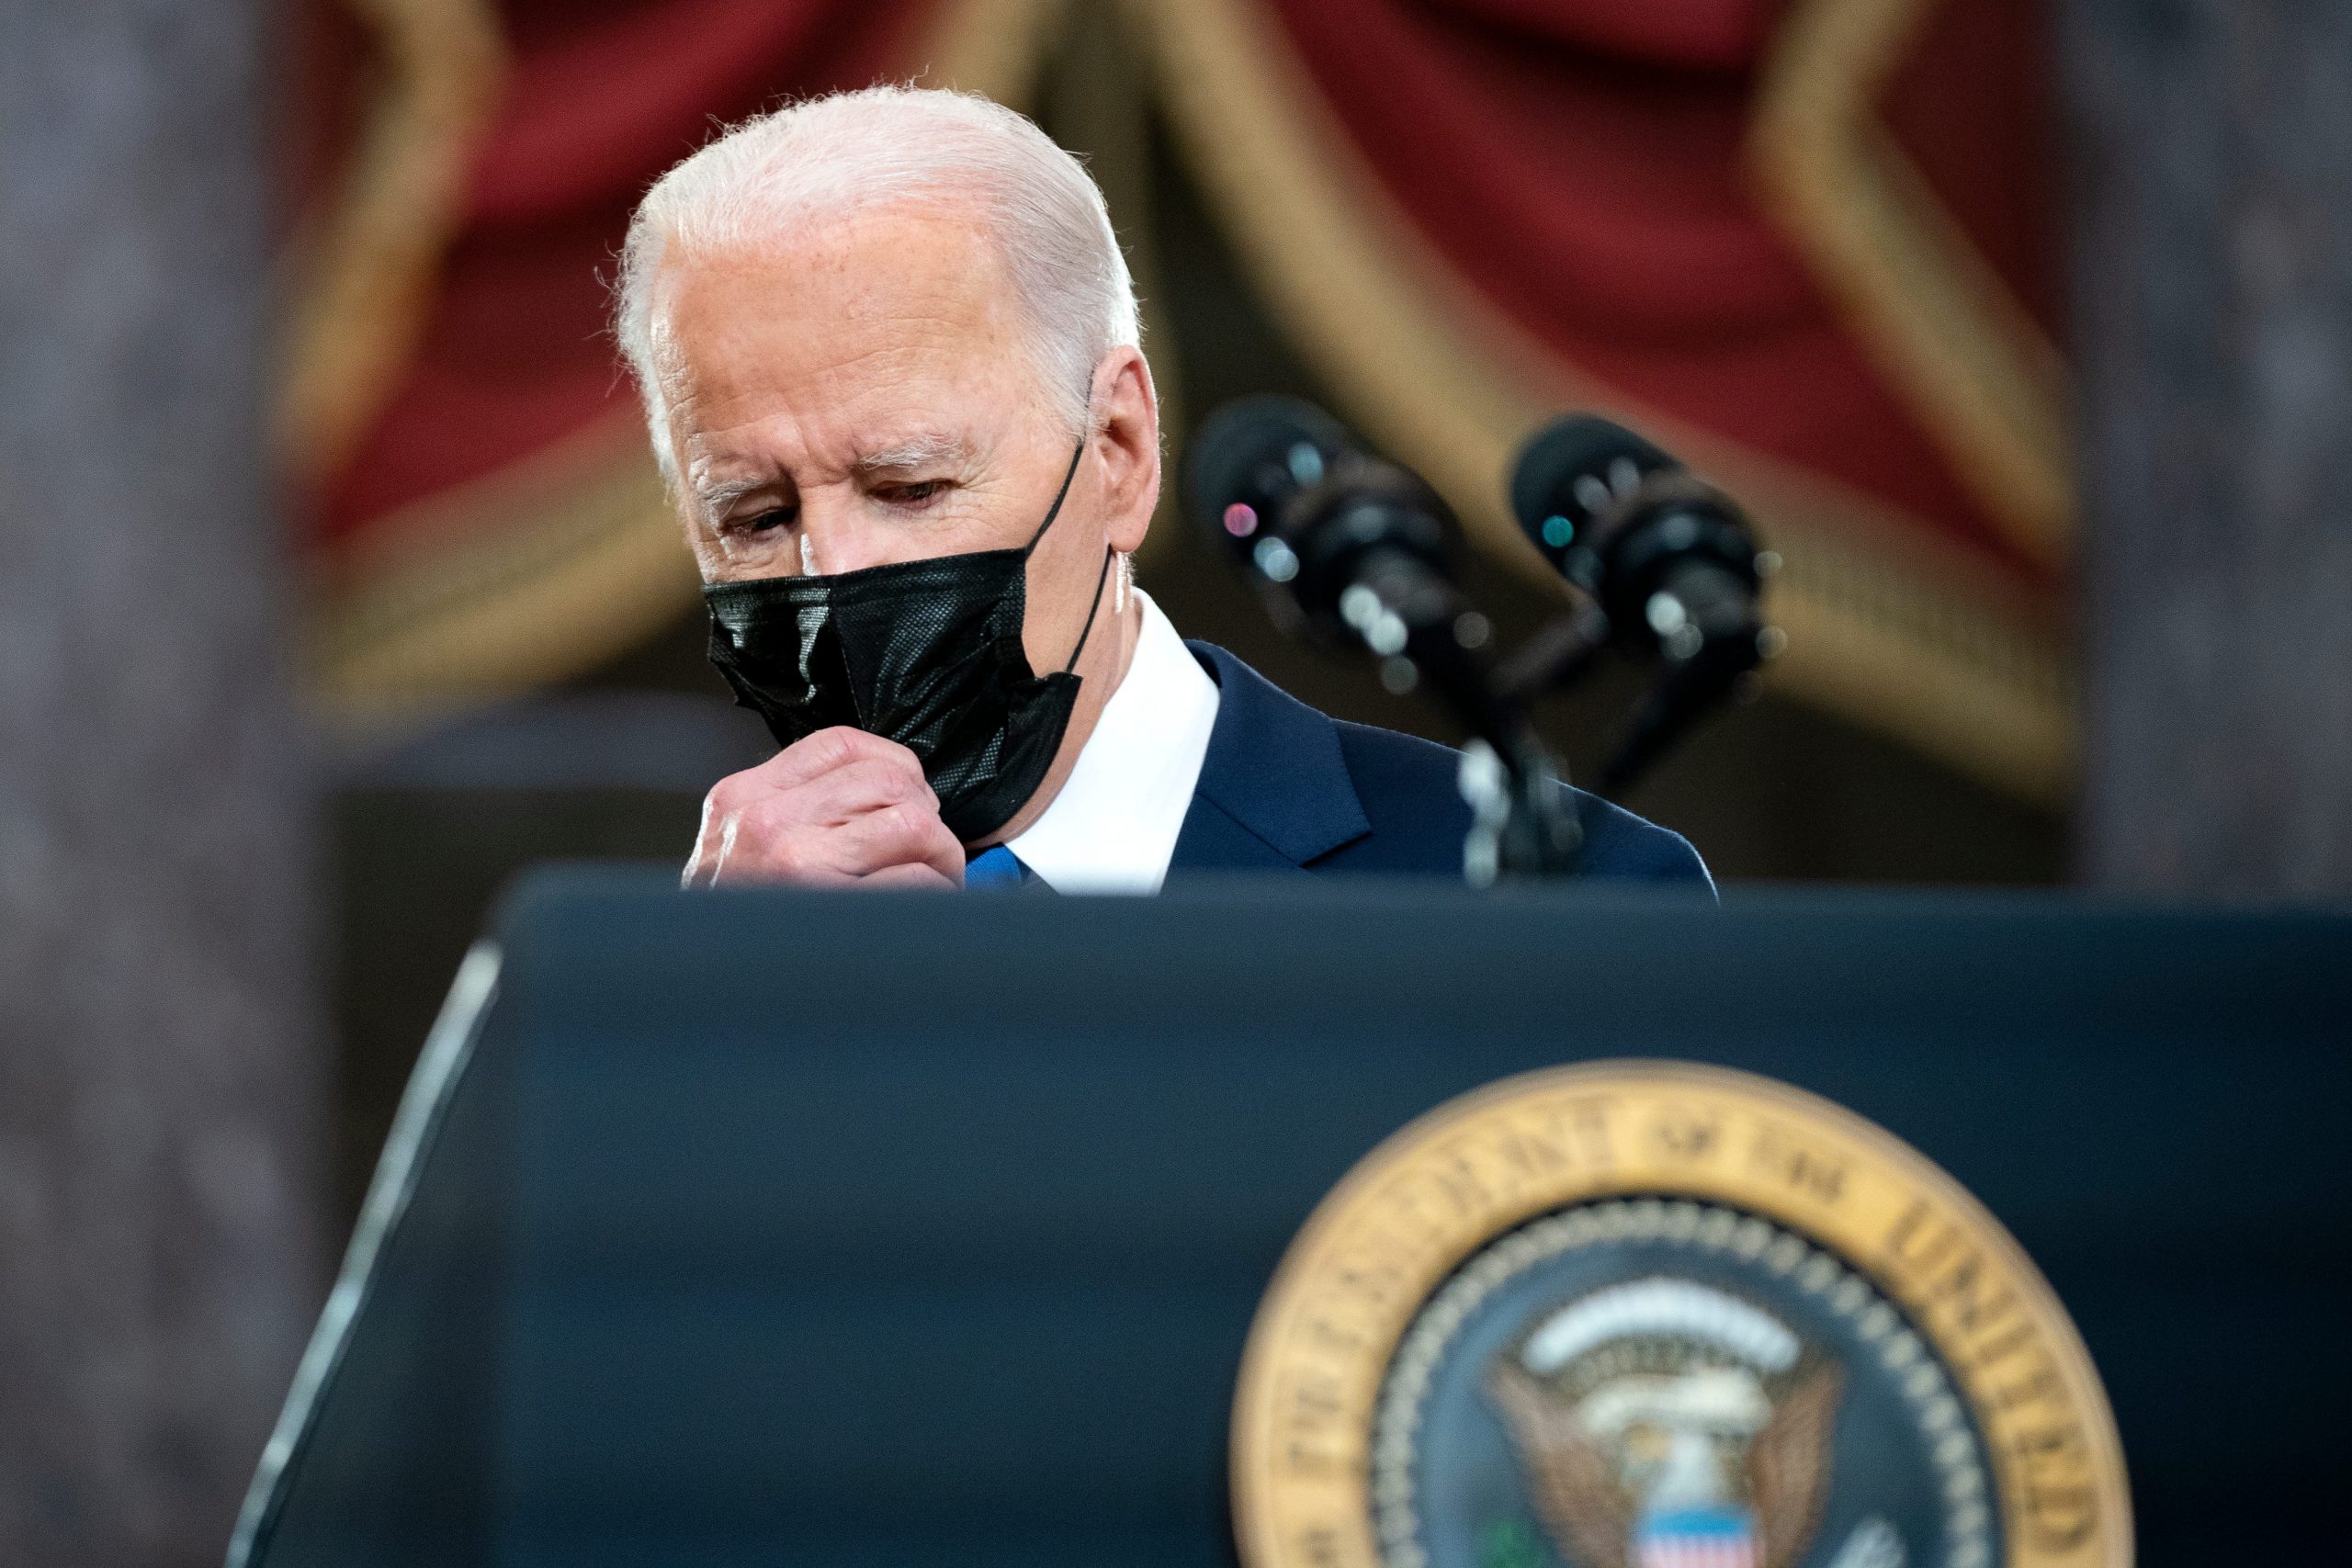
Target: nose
{"type": "Point", "coordinates": [838, 532]}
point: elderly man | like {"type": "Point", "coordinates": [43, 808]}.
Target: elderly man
{"type": "Point", "coordinates": [888, 352]}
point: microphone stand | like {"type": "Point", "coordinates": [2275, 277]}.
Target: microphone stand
{"type": "Point", "coordinates": [1563, 652]}
{"type": "Point", "coordinates": [1521, 827]}
{"type": "Point", "coordinates": [1654, 576]}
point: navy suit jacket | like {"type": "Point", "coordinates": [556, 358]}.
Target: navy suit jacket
{"type": "Point", "coordinates": [1286, 788]}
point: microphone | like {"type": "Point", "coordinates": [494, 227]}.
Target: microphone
{"type": "Point", "coordinates": [1671, 560]}
{"type": "Point", "coordinates": [1357, 549]}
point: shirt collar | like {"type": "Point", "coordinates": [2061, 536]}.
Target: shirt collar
{"type": "Point", "coordinates": [1113, 826]}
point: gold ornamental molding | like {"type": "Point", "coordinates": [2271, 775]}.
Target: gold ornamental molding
{"type": "Point", "coordinates": [1979, 372]}
{"type": "Point", "coordinates": [523, 579]}
{"type": "Point", "coordinates": [1890, 624]}
{"type": "Point", "coordinates": [992, 47]}
{"type": "Point", "coordinates": [364, 284]}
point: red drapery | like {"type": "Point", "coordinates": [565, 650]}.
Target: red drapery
{"type": "Point", "coordinates": [477, 496]}
{"type": "Point", "coordinates": [1584, 164]}
{"type": "Point", "coordinates": [599, 97]}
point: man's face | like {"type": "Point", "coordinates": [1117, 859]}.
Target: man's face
{"type": "Point", "coordinates": [866, 394]}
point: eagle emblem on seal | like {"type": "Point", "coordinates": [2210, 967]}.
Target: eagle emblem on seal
{"type": "Point", "coordinates": [1663, 1423]}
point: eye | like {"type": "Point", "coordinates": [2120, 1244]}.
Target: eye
{"type": "Point", "coordinates": [914, 494]}
{"type": "Point", "coordinates": [764, 521]}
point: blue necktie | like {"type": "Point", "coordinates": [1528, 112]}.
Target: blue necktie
{"type": "Point", "coordinates": [995, 867]}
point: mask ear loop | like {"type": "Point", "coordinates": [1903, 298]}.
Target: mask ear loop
{"type": "Point", "coordinates": [1083, 632]}
{"type": "Point", "coordinates": [1060, 496]}
{"type": "Point", "coordinates": [1100, 578]}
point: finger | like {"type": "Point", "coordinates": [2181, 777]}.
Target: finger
{"type": "Point", "coordinates": [828, 749]}
{"type": "Point", "coordinates": [895, 835]}
{"type": "Point", "coordinates": [862, 772]}
{"type": "Point", "coordinates": [945, 853]}
{"type": "Point", "coordinates": [931, 842]}
{"type": "Point", "coordinates": [853, 789]}
{"type": "Point", "coordinates": [925, 877]}
{"type": "Point", "coordinates": [805, 858]}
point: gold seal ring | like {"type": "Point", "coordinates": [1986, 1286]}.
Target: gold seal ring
{"type": "Point", "coordinates": [1665, 1144]}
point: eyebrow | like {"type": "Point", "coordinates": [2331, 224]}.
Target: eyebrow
{"type": "Point", "coordinates": [715, 499]}
{"type": "Point", "coordinates": [914, 453]}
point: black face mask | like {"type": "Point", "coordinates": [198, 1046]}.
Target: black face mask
{"type": "Point", "coordinates": [926, 654]}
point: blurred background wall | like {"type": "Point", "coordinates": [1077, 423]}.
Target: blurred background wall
{"type": "Point", "coordinates": [1992, 309]}
{"type": "Point", "coordinates": [164, 1192]}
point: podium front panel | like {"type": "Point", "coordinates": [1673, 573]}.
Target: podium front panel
{"type": "Point", "coordinates": [873, 1229]}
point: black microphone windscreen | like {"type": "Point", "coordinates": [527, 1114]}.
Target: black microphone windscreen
{"type": "Point", "coordinates": [1255, 452]}
{"type": "Point", "coordinates": [1574, 448]}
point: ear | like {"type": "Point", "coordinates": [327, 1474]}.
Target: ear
{"type": "Point", "coordinates": [1126, 440]}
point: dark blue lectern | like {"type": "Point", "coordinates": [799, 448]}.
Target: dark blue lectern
{"type": "Point", "coordinates": [904, 1230]}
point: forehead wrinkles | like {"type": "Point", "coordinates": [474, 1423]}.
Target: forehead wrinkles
{"type": "Point", "coordinates": [918, 280]}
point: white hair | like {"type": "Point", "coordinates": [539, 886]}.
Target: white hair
{"type": "Point", "coordinates": [826, 156]}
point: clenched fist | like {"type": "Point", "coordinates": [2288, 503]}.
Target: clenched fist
{"type": "Point", "coordinates": [840, 806]}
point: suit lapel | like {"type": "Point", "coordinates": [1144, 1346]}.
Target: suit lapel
{"type": "Point", "coordinates": [1274, 790]}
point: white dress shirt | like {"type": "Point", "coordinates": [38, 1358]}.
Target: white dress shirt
{"type": "Point", "coordinates": [1113, 825]}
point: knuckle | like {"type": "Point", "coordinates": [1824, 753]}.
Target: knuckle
{"type": "Point", "coordinates": [883, 748]}
{"type": "Point", "coordinates": [787, 856]}
{"type": "Point", "coordinates": [772, 823]}
{"type": "Point", "coordinates": [917, 832]}
{"type": "Point", "coordinates": [824, 751]}
{"type": "Point", "coordinates": [846, 742]}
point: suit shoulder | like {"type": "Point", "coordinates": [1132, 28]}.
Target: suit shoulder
{"type": "Point", "coordinates": [1619, 844]}
{"type": "Point", "coordinates": [1410, 786]}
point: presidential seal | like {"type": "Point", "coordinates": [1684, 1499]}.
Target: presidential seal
{"type": "Point", "coordinates": [1654, 1315]}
